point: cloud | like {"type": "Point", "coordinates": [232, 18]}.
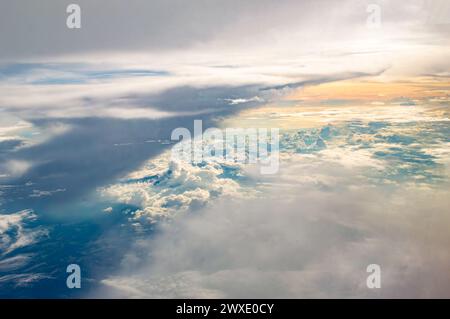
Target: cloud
{"type": "Point", "coordinates": [15, 233]}
{"type": "Point", "coordinates": [85, 131]}
{"type": "Point", "coordinates": [150, 67]}
{"type": "Point", "coordinates": [315, 80]}
{"type": "Point", "coordinates": [14, 263]}
{"type": "Point", "coordinates": [312, 230]}
{"type": "Point", "coordinates": [160, 26]}
{"type": "Point", "coordinates": [242, 100]}
{"type": "Point", "coordinates": [67, 73]}
{"type": "Point", "coordinates": [297, 242]}
{"type": "Point", "coordinates": [41, 193]}
{"type": "Point", "coordinates": [14, 168]}
{"type": "Point", "coordinates": [165, 188]}
{"type": "Point", "coordinates": [195, 90]}
{"type": "Point", "coordinates": [155, 26]}
{"type": "Point", "coordinates": [22, 280]}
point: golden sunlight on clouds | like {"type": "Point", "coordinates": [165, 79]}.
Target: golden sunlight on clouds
{"type": "Point", "coordinates": [374, 91]}
{"type": "Point", "coordinates": [314, 106]}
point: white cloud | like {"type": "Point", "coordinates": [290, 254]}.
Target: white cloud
{"type": "Point", "coordinates": [14, 168]}
{"type": "Point", "coordinates": [312, 229]}
{"type": "Point", "coordinates": [22, 280]}
{"type": "Point", "coordinates": [41, 193]}
{"type": "Point", "coordinates": [240, 101]}
{"type": "Point", "coordinates": [298, 242]}
{"type": "Point", "coordinates": [16, 234]}
{"type": "Point", "coordinates": [163, 187]}
{"type": "Point", "coordinates": [15, 262]}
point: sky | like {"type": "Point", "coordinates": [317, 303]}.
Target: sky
{"type": "Point", "coordinates": [87, 114]}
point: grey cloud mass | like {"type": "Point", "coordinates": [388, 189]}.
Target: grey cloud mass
{"type": "Point", "coordinates": [36, 29]}
{"type": "Point", "coordinates": [113, 25]}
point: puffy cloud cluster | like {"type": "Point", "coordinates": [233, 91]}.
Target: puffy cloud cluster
{"type": "Point", "coordinates": [164, 187]}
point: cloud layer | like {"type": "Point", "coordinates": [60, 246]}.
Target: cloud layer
{"type": "Point", "coordinates": [337, 206]}
{"type": "Point", "coordinates": [316, 244]}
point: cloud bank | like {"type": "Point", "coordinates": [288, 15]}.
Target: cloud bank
{"type": "Point", "coordinates": [311, 244]}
